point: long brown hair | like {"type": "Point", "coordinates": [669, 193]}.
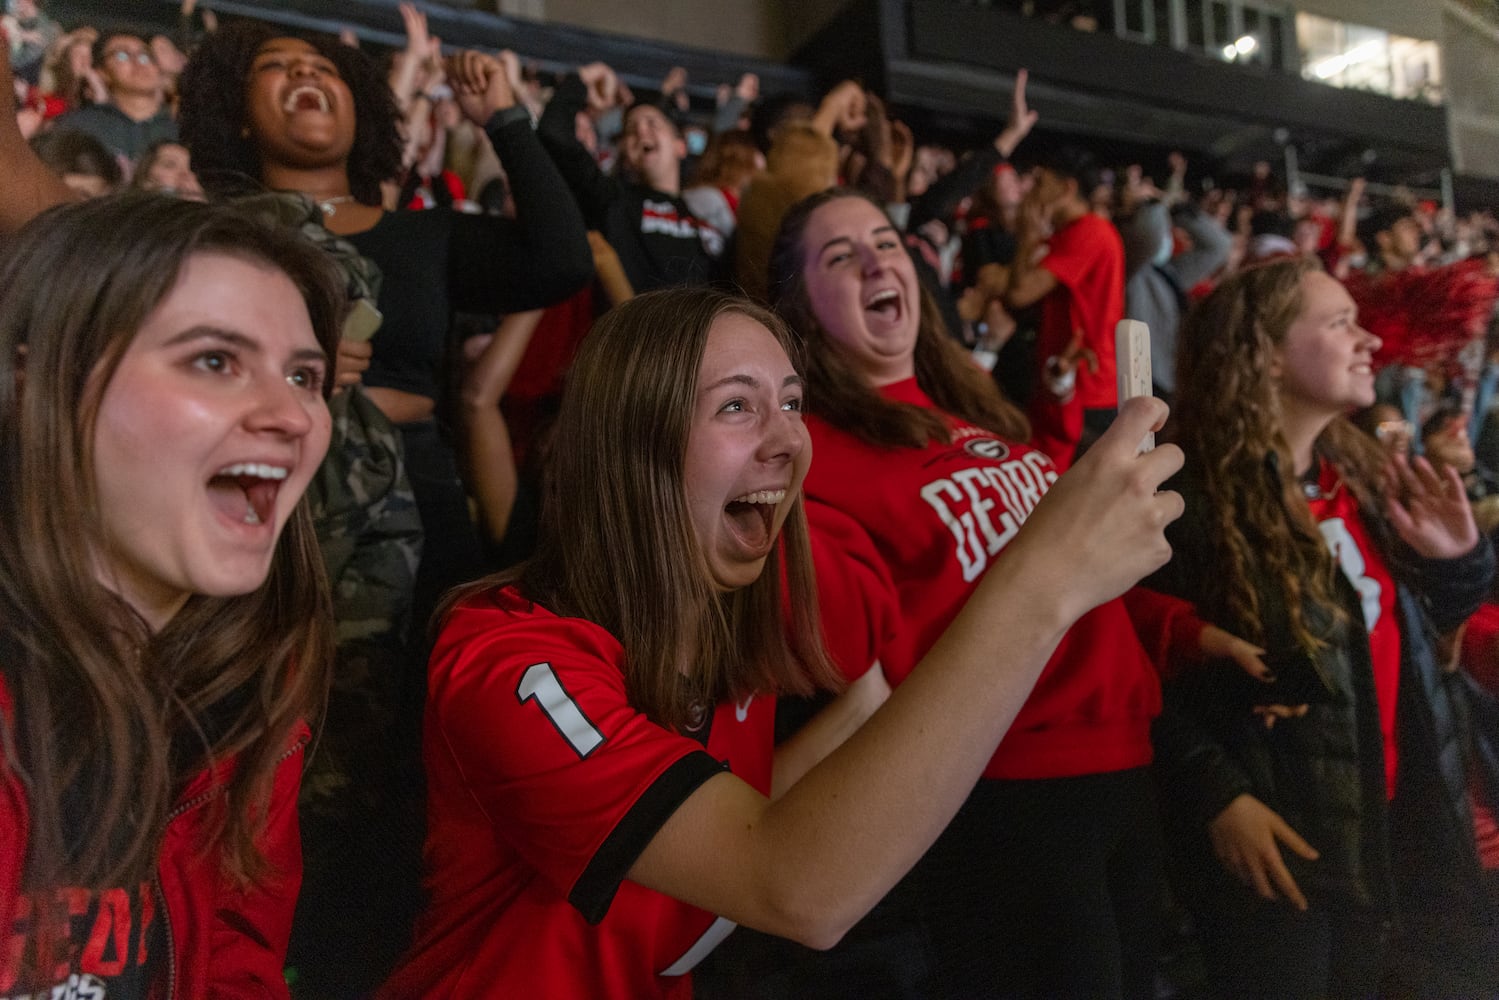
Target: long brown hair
{"type": "Point", "coordinates": [617, 547]}
{"type": "Point", "coordinates": [110, 720]}
{"type": "Point", "coordinates": [842, 396]}
{"type": "Point", "coordinates": [1228, 421]}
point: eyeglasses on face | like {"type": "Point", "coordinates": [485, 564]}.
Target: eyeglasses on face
{"type": "Point", "coordinates": [123, 56]}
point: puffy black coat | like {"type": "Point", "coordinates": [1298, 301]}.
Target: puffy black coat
{"type": "Point", "coordinates": [1324, 773]}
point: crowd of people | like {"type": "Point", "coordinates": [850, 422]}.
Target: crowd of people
{"type": "Point", "coordinates": [415, 580]}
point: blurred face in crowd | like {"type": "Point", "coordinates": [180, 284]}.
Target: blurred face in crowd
{"type": "Point", "coordinates": [747, 451]}
{"type": "Point", "coordinates": [1009, 187]}
{"type": "Point", "coordinates": [80, 56]}
{"type": "Point", "coordinates": [208, 432]}
{"type": "Point", "coordinates": [651, 149]}
{"type": "Point", "coordinates": [1403, 239]}
{"type": "Point", "coordinates": [931, 163]}
{"type": "Point", "coordinates": [862, 287]}
{"type": "Point", "coordinates": [1051, 191]}
{"type": "Point", "coordinates": [128, 67]}
{"type": "Point", "coordinates": [171, 171]}
{"type": "Point", "coordinates": [1325, 364]}
{"type": "Point", "coordinates": [1308, 235]}
{"type": "Point", "coordinates": [298, 108]}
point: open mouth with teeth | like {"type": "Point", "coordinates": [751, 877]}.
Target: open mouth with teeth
{"type": "Point", "coordinates": [885, 304]}
{"type": "Point", "coordinates": [245, 492]}
{"type": "Point", "coordinates": [752, 518]}
{"type": "Point", "coordinates": [307, 98]}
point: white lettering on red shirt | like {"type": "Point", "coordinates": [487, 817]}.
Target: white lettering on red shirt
{"type": "Point", "coordinates": [964, 501]}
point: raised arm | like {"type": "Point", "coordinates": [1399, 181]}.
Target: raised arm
{"type": "Point", "coordinates": [811, 863]}
{"type": "Point", "coordinates": [29, 187]}
{"type": "Point", "coordinates": [593, 85]}
{"type": "Point", "coordinates": [540, 257]}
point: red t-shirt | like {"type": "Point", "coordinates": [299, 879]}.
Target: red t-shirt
{"type": "Point", "coordinates": [1480, 658]}
{"type": "Point", "coordinates": [544, 785]}
{"type": "Point", "coordinates": [1087, 258]}
{"type": "Point", "coordinates": [933, 520]}
{"type": "Point", "coordinates": [1336, 511]}
{"type": "Point", "coordinates": [85, 943]}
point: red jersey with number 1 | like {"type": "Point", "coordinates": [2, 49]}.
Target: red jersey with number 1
{"type": "Point", "coordinates": [1336, 511]}
{"type": "Point", "coordinates": [544, 786]}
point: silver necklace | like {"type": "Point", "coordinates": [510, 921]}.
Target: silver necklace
{"type": "Point", "coordinates": [330, 205]}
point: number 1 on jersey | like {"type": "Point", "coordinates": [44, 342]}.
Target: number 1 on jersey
{"type": "Point", "coordinates": [541, 684]}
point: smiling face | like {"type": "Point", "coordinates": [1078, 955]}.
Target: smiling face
{"type": "Point", "coordinates": [206, 436]}
{"type": "Point", "coordinates": [172, 170]}
{"type": "Point", "coordinates": [297, 106]}
{"type": "Point", "coordinates": [651, 149]}
{"type": "Point", "coordinates": [747, 451]}
{"type": "Point", "coordinates": [862, 288]}
{"type": "Point", "coordinates": [1325, 364]}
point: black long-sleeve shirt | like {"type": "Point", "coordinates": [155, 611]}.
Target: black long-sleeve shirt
{"type": "Point", "coordinates": [438, 261]}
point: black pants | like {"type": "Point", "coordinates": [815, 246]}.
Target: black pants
{"type": "Point", "coordinates": [885, 956]}
{"type": "Point", "coordinates": [1254, 947]}
{"type": "Point", "coordinates": [451, 553]}
{"type": "Point", "coordinates": [1449, 953]}
{"type": "Point", "coordinates": [1048, 888]}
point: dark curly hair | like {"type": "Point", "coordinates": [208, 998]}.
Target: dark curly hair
{"type": "Point", "coordinates": [1228, 419]}
{"type": "Point", "coordinates": [211, 119]}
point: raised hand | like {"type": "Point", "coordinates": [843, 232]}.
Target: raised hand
{"type": "Point", "coordinates": [1107, 514]}
{"type": "Point", "coordinates": [1430, 510]}
{"type": "Point", "coordinates": [602, 85]}
{"type": "Point", "coordinates": [748, 88]}
{"type": "Point", "coordinates": [480, 85]}
{"type": "Point", "coordinates": [845, 108]}
{"type": "Point", "coordinates": [1022, 118]}
{"type": "Point", "coordinates": [674, 88]}
{"type": "Point", "coordinates": [511, 63]}
{"type": "Point", "coordinates": [417, 44]}
{"type": "Point", "coordinates": [1246, 837]}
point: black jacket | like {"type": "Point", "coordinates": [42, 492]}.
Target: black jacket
{"type": "Point", "coordinates": [1324, 773]}
{"type": "Point", "coordinates": [659, 241]}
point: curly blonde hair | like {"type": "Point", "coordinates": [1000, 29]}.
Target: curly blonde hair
{"type": "Point", "coordinates": [1228, 420]}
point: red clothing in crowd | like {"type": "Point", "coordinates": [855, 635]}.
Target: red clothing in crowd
{"type": "Point", "coordinates": [936, 518]}
{"type": "Point", "coordinates": [1087, 259]}
{"type": "Point", "coordinates": [544, 785]}
{"type": "Point", "coordinates": [222, 942]}
{"type": "Point", "coordinates": [1336, 511]}
{"type": "Point", "coordinates": [1480, 658]}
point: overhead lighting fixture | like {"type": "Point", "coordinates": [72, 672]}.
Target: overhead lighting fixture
{"type": "Point", "coordinates": [1242, 46]}
{"type": "Point", "coordinates": [1333, 65]}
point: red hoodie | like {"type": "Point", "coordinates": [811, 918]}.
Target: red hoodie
{"type": "Point", "coordinates": [937, 518]}
{"type": "Point", "coordinates": [221, 942]}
